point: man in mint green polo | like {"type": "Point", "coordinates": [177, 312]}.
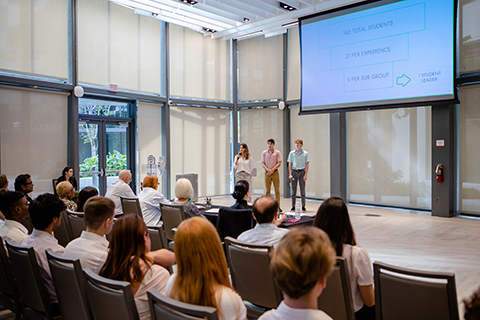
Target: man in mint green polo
{"type": "Point", "coordinates": [298, 169]}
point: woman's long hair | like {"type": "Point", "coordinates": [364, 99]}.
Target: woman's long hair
{"type": "Point", "coordinates": [127, 258]}
{"type": "Point", "coordinates": [85, 194]}
{"type": "Point", "coordinates": [332, 217]}
{"type": "Point", "coordinates": [65, 170]}
{"type": "Point", "coordinates": [246, 153]}
{"type": "Point", "coordinates": [201, 264]}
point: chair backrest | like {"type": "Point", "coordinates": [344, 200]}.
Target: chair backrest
{"type": "Point", "coordinates": [54, 184]}
{"type": "Point", "coordinates": [172, 216]}
{"type": "Point", "coordinates": [131, 205]}
{"type": "Point", "coordinates": [110, 299]}
{"type": "Point", "coordinates": [336, 298]}
{"type": "Point", "coordinates": [159, 241]}
{"type": "Point", "coordinates": [252, 278]}
{"type": "Point", "coordinates": [63, 233]}
{"type": "Point", "coordinates": [158, 238]}
{"type": "Point", "coordinates": [29, 281]}
{"type": "Point", "coordinates": [69, 281]}
{"type": "Point", "coordinates": [9, 295]}
{"type": "Point", "coordinates": [411, 294]}
{"type": "Point", "coordinates": [165, 308]}
{"type": "Point", "coordinates": [76, 223]}
{"type": "Point", "coordinates": [232, 222]}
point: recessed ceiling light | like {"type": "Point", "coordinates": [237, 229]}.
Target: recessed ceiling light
{"type": "Point", "coordinates": [287, 6]}
{"type": "Point", "coordinates": [190, 2]}
{"type": "Point", "coordinates": [209, 30]}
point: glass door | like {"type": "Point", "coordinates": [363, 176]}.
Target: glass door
{"type": "Point", "coordinates": [116, 150]}
{"type": "Point", "coordinates": [104, 142]}
{"type": "Point", "coordinates": [90, 170]}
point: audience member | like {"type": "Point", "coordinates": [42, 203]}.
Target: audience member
{"type": "Point", "coordinates": [2, 217]}
{"type": "Point", "coordinates": [150, 199]}
{"type": "Point", "coordinates": [67, 175]}
{"type": "Point", "coordinates": [300, 264]}
{"type": "Point", "coordinates": [119, 189]}
{"type": "Point", "coordinates": [45, 215]}
{"type": "Point", "coordinates": [65, 193]}
{"type": "Point", "coordinates": [183, 194]}
{"type": "Point", "coordinates": [14, 206]}
{"type": "Point", "coordinates": [91, 248]}
{"type": "Point", "coordinates": [243, 165]}
{"type": "Point", "coordinates": [85, 194]}
{"type": "Point", "coordinates": [472, 306]}
{"type": "Point", "coordinates": [23, 183]}
{"type": "Point", "coordinates": [265, 211]}
{"type": "Point", "coordinates": [241, 193]}
{"type": "Point", "coordinates": [3, 182]}
{"type": "Point", "coordinates": [128, 260]}
{"type": "Point", "coordinates": [3, 187]}
{"type": "Point", "coordinates": [332, 217]}
{"type": "Point", "coordinates": [202, 273]}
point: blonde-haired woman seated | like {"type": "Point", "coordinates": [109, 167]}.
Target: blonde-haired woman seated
{"type": "Point", "coordinates": [183, 194]}
{"type": "Point", "coordinates": [202, 275]}
{"type": "Point", "coordinates": [150, 199]}
{"type": "Point", "coordinates": [129, 259]}
{"type": "Point", "coordinates": [66, 193]}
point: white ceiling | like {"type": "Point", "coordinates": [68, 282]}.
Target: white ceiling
{"type": "Point", "coordinates": [226, 17]}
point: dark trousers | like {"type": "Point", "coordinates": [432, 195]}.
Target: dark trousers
{"type": "Point", "coordinates": [298, 176]}
{"type": "Point", "coordinates": [366, 313]}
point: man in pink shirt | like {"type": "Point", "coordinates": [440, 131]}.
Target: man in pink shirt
{"type": "Point", "coordinates": [271, 161]}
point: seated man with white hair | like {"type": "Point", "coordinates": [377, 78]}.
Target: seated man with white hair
{"type": "Point", "coordinates": [119, 189]}
{"type": "Point", "coordinates": [66, 193]}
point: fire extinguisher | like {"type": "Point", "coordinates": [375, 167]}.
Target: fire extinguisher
{"type": "Point", "coordinates": [439, 172]}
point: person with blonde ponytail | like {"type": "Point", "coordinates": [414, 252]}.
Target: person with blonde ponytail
{"type": "Point", "coordinates": [202, 272]}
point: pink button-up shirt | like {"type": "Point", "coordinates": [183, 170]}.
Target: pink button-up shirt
{"type": "Point", "coordinates": [271, 158]}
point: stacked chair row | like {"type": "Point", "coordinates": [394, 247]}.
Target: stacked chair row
{"type": "Point", "coordinates": [82, 294]}
{"type": "Point", "coordinates": [400, 293]}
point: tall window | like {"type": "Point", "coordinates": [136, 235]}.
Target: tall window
{"type": "Point", "coordinates": [469, 153]}
{"type": "Point", "coordinates": [260, 63]}
{"type": "Point", "coordinates": [149, 133]}
{"type": "Point", "coordinates": [33, 136]}
{"type": "Point", "coordinates": [117, 46]}
{"type": "Point", "coordinates": [33, 37]}
{"type": "Point", "coordinates": [294, 67]}
{"type": "Point", "coordinates": [200, 143]}
{"type": "Point", "coordinates": [199, 65]}
{"type": "Point", "coordinates": [469, 40]}
{"type": "Point", "coordinates": [256, 126]}
{"type": "Point", "coordinates": [389, 157]}
{"type": "Point", "coordinates": [314, 130]}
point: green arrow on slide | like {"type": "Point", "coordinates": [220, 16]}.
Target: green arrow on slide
{"type": "Point", "coordinates": [403, 80]}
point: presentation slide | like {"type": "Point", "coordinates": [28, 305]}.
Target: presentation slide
{"type": "Point", "coordinates": [400, 52]}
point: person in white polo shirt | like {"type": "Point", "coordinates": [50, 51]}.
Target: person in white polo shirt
{"type": "Point", "coordinates": [119, 189]}
{"type": "Point", "coordinates": [14, 206]}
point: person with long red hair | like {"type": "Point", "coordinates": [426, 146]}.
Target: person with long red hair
{"type": "Point", "coordinates": [129, 260]}
{"type": "Point", "coordinates": [202, 272]}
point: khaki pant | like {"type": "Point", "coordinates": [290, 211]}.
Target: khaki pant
{"type": "Point", "coordinates": [275, 178]}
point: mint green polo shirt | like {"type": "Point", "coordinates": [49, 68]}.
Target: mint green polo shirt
{"type": "Point", "coordinates": [298, 160]}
